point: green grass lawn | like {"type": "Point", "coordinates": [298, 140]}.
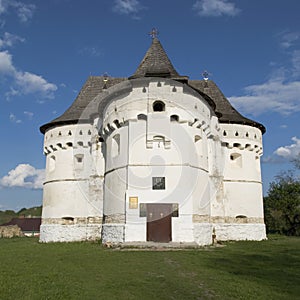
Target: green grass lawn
{"type": "Point", "coordinates": [239, 270]}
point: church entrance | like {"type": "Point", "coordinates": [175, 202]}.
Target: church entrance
{"type": "Point", "coordinates": [159, 226]}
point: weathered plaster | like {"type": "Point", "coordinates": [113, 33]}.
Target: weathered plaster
{"type": "Point", "coordinates": [69, 233]}
{"type": "Point", "coordinates": [211, 169]}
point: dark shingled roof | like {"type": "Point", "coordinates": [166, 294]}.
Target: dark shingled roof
{"type": "Point", "coordinates": [224, 110]}
{"type": "Point", "coordinates": [92, 87]}
{"type": "Point", "coordinates": [26, 224]}
{"type": "Point", "coordinates": [155, 64]}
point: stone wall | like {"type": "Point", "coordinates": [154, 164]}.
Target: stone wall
{"type": "Point", "coordinates": [70, 233]}
{"type": "Point", "coordinates": [10, 231]}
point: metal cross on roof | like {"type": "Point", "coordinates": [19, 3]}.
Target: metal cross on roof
{"type": "Point", "coordinates": [205, 75]}
{"type": "Point", "coordinates": [153, 33]}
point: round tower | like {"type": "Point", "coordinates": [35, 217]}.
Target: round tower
{"type": "Point", "coordinates": [72, 200]}
{"type": "Point", "coordinates": [156, 132]}
{"type": "Point", "coordinates": [242, 211]}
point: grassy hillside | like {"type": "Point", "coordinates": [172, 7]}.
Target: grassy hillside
{"type": "Point", "coordinates": [33, 211]}
{"type": "Point", "coordinates": [7, 215]}
{"type": "Point", "coordinates": [239, 270]}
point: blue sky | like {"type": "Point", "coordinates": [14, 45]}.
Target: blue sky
{"type": "Point", "coordinates": [48, 49]}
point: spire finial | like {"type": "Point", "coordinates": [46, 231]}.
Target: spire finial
{"type": "Point", "coordinates": [205, 75]}
{"type": "Point", "coordinates": [105, 79]}
{"type": "Point", "coordinates": [153, 33]}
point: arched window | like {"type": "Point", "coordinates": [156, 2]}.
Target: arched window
{"type": "Point", "coordinates": [237, 145]}
{"type": "Point", "coordinates": [236, 159]}
{"type": "Point", "coordinates": [142, 117]}
{"type": "Point", "coordinates": [117, 123]}
{"type": "Point", "coordinates": [52, 160]}
{"type": "Point", "coordinates": [158, 106]}
{"type": "Point", "coordinates": [174, 118]}
{"type": "Point", "coordinates": [78, 161]}
{"type": "Point", "coordinates": [198, 144]}
{"type": "Point", "coordinates": [197, 138]}
{"type": "Point", "coordinates": [67, 220]}
{"type": "Point", "coordinates": [115, 145]}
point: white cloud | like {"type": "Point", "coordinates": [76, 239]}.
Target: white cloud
{"type": "Point", "coordinates": [14, 119]}
{"type": "Point", "coordinates": [274, 95]}
{"type": "Point", "coordinates": [272, 159]}
{"type": "Point", "coordinates": [283, 126]}
{"type": "Point", "coordinates": [25, 82]}
{"type": "Point", "coordinates": [32, 83]}
{"type": "Point", "coordinates": [281, 93]}
{"type": "Point", "coordinates": [295, 63]}
{"type": "Point", "coordinates": [24, 175]}
{"type": "Point", "coordinates": [90, 51]}
{"type": "Point", "coordinates": [215, 8]}
{"type": "Point", "coordinates": [288, 39]}
{"type": "Point", "coordinates": [12, 93]}
{"type": "Point", "coordinates": [6, 65]}
{"type": "Point", "coordinates": [29, 114]}
{"type": "Point", "coordinates": [23, 11]}
{"type": "Point", "coordinates": [127, 7]}
{"type": "Point", "coordinates": [9, 40]}
{"type": "Point", "coordinates": [2, 7]}
{"type": "Point", "coordinates": [291, 151]}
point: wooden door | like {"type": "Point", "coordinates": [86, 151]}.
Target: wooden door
{"type": "Point", "coordinates": [159, 217]}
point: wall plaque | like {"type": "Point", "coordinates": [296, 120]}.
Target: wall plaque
{"type": "Point", "coordinates": [133, 202]}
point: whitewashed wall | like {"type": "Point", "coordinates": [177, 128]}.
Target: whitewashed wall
{"type": "Point", "coordinates": [73, 197]}
{"type": "Point", "coordinates": [181, 156]}
{"type": "Point", "coordinates": [212, 170]}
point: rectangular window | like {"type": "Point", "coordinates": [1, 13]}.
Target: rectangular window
{"type": "Point", "coordinates": [158, 183]}
{"type": "Point", "coordinates": [143, 210]}
{"type": "Point", "coordinates": [175, 210]}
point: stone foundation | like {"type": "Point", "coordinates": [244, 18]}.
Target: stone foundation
{"type": "Point", "coordinates": [219, 219]}
{"type": "Point", "coordinates": [70, 233]}
{"type": "Point", "coordinates": [240, 232]}
{"type": "Point", "coordinates": [72, 221]}
{"type": "Point", "coordinates": [60, 230]}
{"type": "Point", "coordinates": [115, 218]}
{"type": "Point", "coordinates": [113, 233]}
{"type": "Point", "coordinates": [203, 233]}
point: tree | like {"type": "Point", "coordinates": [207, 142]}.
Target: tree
{"type": "Point", "coordinates": [282, 205]}
{"type": "Point", "coordinates": [296, 161]}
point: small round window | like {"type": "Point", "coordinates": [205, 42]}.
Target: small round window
{"type": "Point", "coordinates": [158, 106]}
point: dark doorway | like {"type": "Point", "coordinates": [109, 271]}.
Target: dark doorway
{"type": "Point", "coordinates": [159, 217]}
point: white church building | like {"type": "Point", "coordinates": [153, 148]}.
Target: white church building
{"type": "Point", "coordinates": [153, 157]}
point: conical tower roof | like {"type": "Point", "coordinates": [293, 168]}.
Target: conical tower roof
{"type": "Point", "coordinates": [156, 63]}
